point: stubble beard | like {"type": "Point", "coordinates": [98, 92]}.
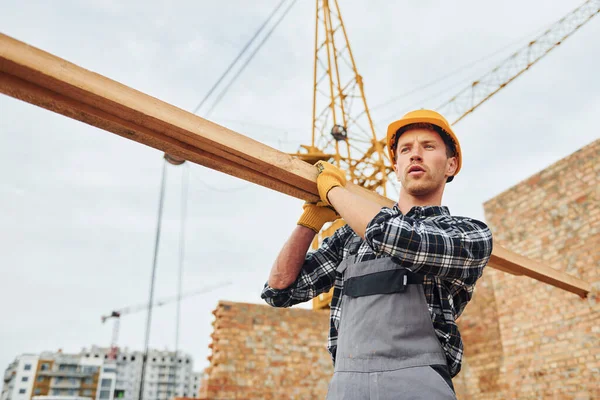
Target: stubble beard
{"type": "Point", "coordinates": [421, 187]}
{"type": "Point", "coordinates": [416, 188]}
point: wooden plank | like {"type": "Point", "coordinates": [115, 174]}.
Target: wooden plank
{"type": "Point", "coordinates": [33, 94]}
{"type": "Point", "coordinates": [50, 82]}
{"type": "Point", "coordinates": [517, 264]}
{"type": "Point", "coordinates": [87, 88]}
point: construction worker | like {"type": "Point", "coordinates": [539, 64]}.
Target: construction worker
{"type": "Point", "coordinates": [401, 275]}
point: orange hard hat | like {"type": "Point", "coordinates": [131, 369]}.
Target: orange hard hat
{"type": "Point", "coordinates": [422, 116]}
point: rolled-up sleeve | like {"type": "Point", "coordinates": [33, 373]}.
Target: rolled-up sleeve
{"type": "Point", "coordinates": [316, 276]}
{"type": "Point", "coordinates": [445, 246]}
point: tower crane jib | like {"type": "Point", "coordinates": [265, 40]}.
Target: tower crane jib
{"type": "Point", "coordinates": [481, 90]}
{"type": "Point", "coordinates": [116, 315]}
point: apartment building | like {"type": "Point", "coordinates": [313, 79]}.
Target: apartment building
{"type": "Point", "coordinates": [168, 375]}
{"type": "Point", "coordinates": [194, 387]}
{"type": "Point", "coordinates": [92, 375]}
{"type": "Point", "coordinates": [50, 375]}
{"type": "Point", "coordinates": [19, 378]}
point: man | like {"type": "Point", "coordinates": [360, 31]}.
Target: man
{"type": "Point", "coordinates": [401, 275]}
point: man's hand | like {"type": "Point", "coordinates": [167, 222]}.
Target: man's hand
{"type": "Point", "coordinates": [315, 215]}
{"type": "Point", "coordinates": [329, 177]}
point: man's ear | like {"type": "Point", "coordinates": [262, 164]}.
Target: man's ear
{"type": "Point", "coordinates": [451, 166]}
{"type": "Point", "coordinates": [396, 171]}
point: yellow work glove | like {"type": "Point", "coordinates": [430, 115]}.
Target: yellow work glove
{"type": "Point", "coordinates": [315, 215]}
{"type": "Point", "coordinates": [329, 177]}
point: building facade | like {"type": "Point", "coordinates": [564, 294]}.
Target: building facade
{"type": "Point", "coordinates": [19, 378]}
{"type": "Point", "coordinates": [167, 374]}
{"type": "Point", "coordinates": [194, 386]}
{"type": "Point", "coordinates": [53, 375]}
{"type": "Point", "coordinates": [92, 375]}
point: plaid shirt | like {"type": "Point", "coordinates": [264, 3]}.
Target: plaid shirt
{"type": "Point", "coordinates": [450, 251]}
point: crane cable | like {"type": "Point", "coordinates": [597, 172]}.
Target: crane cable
{"type": "Point", "coordinates": [184, 187]}
{"type": "Point", "coordinates": [153, 276]}
{"type": "Point", "coordinates": [184, 195]}
{"type": "Point", "coordinates": [239, 56]}
{"type": "Point", "coordinates": [238, 73]}
{"type": "Point", "coordinates": [245, 64]}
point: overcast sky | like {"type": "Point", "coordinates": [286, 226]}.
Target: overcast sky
{"type": "Point", "coordinates": [79, 205]}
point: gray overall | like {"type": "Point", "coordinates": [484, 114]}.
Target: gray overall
{"type": "Point", "coordinates": [387, 347]}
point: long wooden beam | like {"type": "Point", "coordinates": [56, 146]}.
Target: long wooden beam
{"type": "Point", "coordinates": [40, 78]}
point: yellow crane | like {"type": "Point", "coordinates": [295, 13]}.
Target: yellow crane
{"type": "Point", "coordinates": [343, 131]}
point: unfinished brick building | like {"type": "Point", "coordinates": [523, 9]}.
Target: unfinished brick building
{"type": "Point", "coordinates": [261, 352]}
{"type": "Point", "coordinates": [524, 339]}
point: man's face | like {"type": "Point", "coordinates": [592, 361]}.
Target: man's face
{"type": "Point", "coordinates": [421, 162]}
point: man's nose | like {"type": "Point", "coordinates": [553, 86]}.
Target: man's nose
{"type": "Point", "coordinates": [415, 154]}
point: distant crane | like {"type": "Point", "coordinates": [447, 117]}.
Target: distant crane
{"type": "Point", "coordinates": [116, 315]}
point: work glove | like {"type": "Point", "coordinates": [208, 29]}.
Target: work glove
{"type": "Point", "coordinates": [315, 215]}
{"type": "Point", "coordinates": [329, 177]}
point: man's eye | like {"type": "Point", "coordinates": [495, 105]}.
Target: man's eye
{"type": "Point", "coordinates": [429, 146]}
{"type": "Point", "coordinates": [403, 149]}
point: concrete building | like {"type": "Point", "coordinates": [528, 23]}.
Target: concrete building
{"type": "Point", "coordinates": [194, 386]}
{"type": "Point", "coordinates": [91, 375]}
{"type": "Point", "coordinates": [49, 376]}
{"type": "Point", "coordinates": [167, 375]}
{"type": "Point", "coordinates": [19, 378]}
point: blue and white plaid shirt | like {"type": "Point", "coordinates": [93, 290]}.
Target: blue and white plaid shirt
{"type": "Point", "coordinates": [450, 251]}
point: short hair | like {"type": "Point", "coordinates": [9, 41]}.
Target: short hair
{"type": "Point", "coordinates": [448, 142]}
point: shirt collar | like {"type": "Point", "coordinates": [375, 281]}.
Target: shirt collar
{"type": "Point", "coordinates": [425, 211]}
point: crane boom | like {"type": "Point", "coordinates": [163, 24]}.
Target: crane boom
{"type": "Point", "coordinates": [481, 90]}
{"type": "Point", "coordinates": [161, 302]}
{"type": "Point", "coordinates": [116, 314]}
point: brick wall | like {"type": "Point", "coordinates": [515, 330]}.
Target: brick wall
{"type": "Point", "coordinates": [261, 352]}
{"type": "Point", "coordinates": [525, 339]}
